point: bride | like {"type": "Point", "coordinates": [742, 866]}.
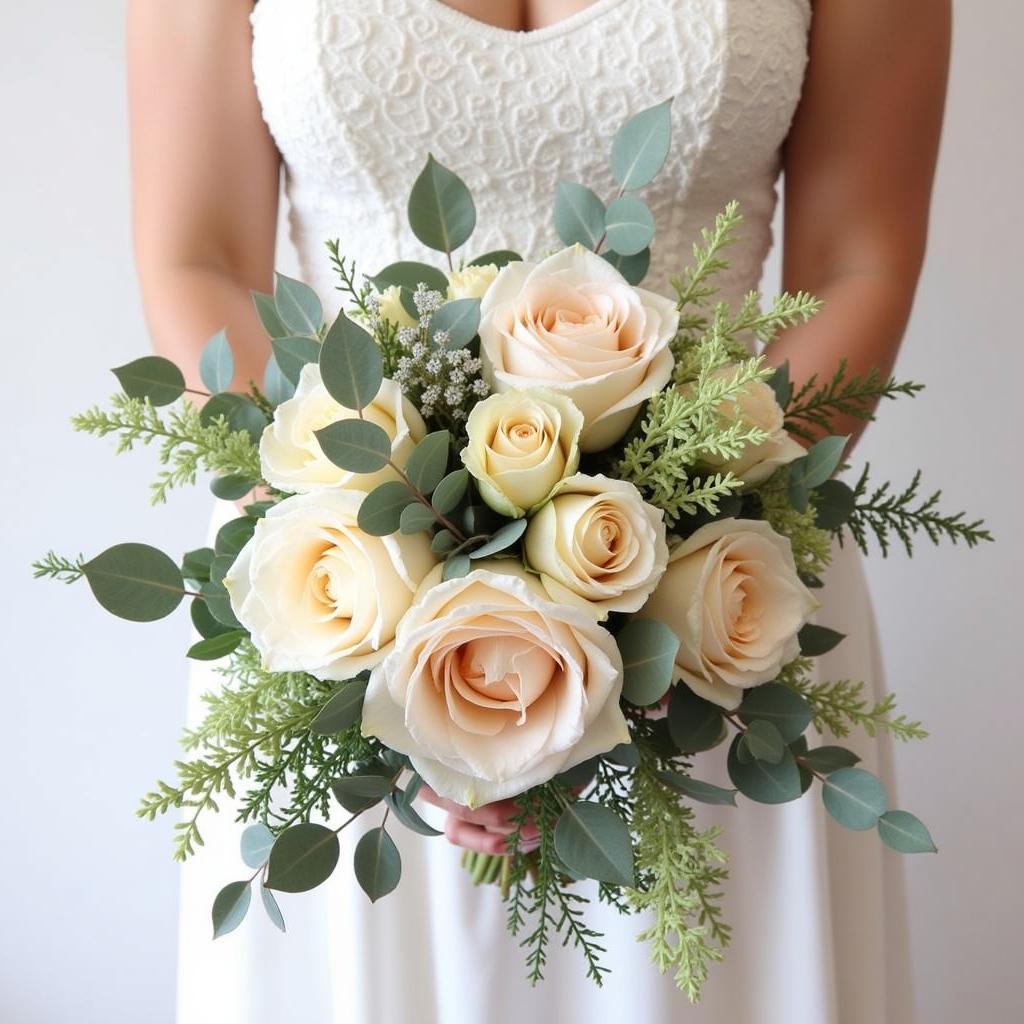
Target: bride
{"type": "Point", "coordinates": [348, 96]}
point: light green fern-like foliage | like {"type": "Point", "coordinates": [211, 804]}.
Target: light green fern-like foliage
{"type": "Point", "coordinates": [812, 546]}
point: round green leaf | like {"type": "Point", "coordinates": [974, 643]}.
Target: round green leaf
{"type": "Point", "coordinates": [830, 759]}
{"type": "Point", "coordinates": [780, 384]}
{"type": "Point", "coordinates": [443, 542]}
{"type": "Point", "coordinates": [216, 647]}
{"type": "Point", "coordinates": [415, 518]}
{"type": "Point", "coordinates": [695, 789]}
{"type": "Point", "coordinates": [450, 491]}
{"type": "Point", "coordinates": [632, 268]}
{"type": "Point", "coordinates": [580, 775]}
{"type": "Point", "coordinates": [196, 564]}
{"type": "Point", "coordinates": [441, 210]}
{"type": "Point", "coordinates": [276, 386]}
{"type": "Point", "coordinates": [408, 274]}
{"type": "Point", "coordinates": [579, 215]}
{"type": "Point", "coordinates": [230, 907]}
{"type": "Point", "coordinates": [135, 582]}
{"type": "Point", "coordinates": [233, 536]}
{"type": "Point", "coordinates": [594, 842]}
{"type": "Point", "coordinates": [381, 510]}
{"type": "Point", "coordinates": [272, 909]}
{"type": "Point", "coordinates": [217, 364]}
{"type": "Point", "coordinates": [648, 651]}
{"type": "Point", "coordinates": [218, 603]}
{"type": "Point", "coordinates": [256, 843]}
{"type": "Point", "coordinates": [501, 539]}
{"type": "Point", "coordinates": [498, 258]}
{"type": "Point", "coordinates": [297, 305]}
{"type": "Point", "coordinates": [343, 710]}
{"type": "Point", "coordinates": [762, 741]}
{"type": "Point", "coordinates": [350, 364]}
{"type": "Point", "coordinates": [428, 461]}
{"type": "Point", "coordinates": [641, 145]}
{"type": "Point", "coordinates": [629, 225]}
{"type": "Point", "coordinates": [408, 816]}
{"type": "Point", "coordinates": [694, 724]}
{"type": "Point", "coordinates": [904, 833]}
{"type": "Point", "coordinates": [239, 412]}
{"type": "Point", "coordinates": [231, 487]}
{"type": "Point", "coordinates": [266, 310]}
{"type": "Point", "coordinates": [378, 865]}
{"type": "Point", "coordinates": [459, 320]}
{"type": "Point", "coordinates": [151, 377]}
{"type": "Point", "coordinates": [206, 625]}
{"type": "Point", "coordinates": [625, 754]}
{"type": "Point", "coordinates": [363, 787]}
{"type": "Point", "coordinates": [763, 781]}
{"type": "Point", "coordinates": [292, 353]}
{"type": "Point", "coordinates": [834, 503]}
{"type": "Point", "coordinates": [303, 856]}
{"type": "Point", "coordinates": [818, 640]}
{"type": "Point", "coordinates": [356, 445]}
{"type": "Point", "coordinates": [778, 704]}
{"type": "Point", "coordinates": [456, 567]}
{"type": "Point", "coordinates": [820, 462]}
{"type": "Point", "coordinates": [854, 797]}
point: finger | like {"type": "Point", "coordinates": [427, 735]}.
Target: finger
{"type": "Point", "coordinates": [473, 837]}
{"type": "Point", "coordinates": [494, 816]}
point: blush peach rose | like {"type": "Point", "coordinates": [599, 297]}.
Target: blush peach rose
{"type": "Point", "coordinates": [573, 323]}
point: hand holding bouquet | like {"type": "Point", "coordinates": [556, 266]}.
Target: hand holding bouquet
{"type": "Point", "coordinates": [515, 510]}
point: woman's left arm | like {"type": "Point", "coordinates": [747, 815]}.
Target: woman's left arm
{"type": "Point", "coordinates": [859, 164]}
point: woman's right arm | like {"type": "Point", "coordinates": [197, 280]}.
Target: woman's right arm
{"type": "Point", "coordinates": [204, 178]}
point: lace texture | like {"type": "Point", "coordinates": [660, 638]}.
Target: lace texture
{"type": "Point", "coordinates": [356, 92]}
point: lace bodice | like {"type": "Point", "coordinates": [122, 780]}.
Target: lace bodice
{"type": "Point", "coordinates": [356, 92]}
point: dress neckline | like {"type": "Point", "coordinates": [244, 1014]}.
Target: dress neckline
{"type": "Point", "coordinates": [594, 10]}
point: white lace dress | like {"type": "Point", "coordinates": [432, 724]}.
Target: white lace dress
{"type": "Point", "coordinates": [356, 92]}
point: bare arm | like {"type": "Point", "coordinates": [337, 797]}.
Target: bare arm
{"type": "Point", "coordinates": [859, 163]}
{"type": "Point", "coordinates": [204, 176]}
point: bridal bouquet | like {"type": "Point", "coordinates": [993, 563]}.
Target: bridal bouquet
{"type": "Point", "coordinates": [521, 528]}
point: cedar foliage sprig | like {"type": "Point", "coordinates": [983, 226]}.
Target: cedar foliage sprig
{"type": "Point", "coordinates": [810, 410]}
{"type": "Point", "coordinates": [186, 444]}
{"type": "Point", "coordinates": [884, 512]}
{"type": "Point", "coordinates": [59, 568]}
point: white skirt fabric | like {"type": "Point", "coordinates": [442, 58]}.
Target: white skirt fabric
{"type": "Point", "coordinates": [819, 917]}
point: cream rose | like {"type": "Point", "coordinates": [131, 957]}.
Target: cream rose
{"type": "Point", "coordinates": [573, 323]}
{"type": "Point", "coordinates": [291, 456]}
{"type": "Point", "coordinates": [521, 444]}
{"type": "Point", "coordinates": [492, 689]}
{"type": "Point", "coordinates": [389, 305]}
{"type": "Point", "coordinates": [471, 282]}
{"type": "Point", "coordinates": [732, 595]}
{"type": "Point", "coordinates": [599, 544]}
{"type": "Point", "coordinates": [756, 406]}
{"type": "Point", "coordinates": [316, 593]}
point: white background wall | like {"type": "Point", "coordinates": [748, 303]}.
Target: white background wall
{"type": "Point", "coordinates": [91, 707]}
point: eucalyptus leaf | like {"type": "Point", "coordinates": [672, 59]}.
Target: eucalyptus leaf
{"type": "Point", "coordinates": [763, 781]}
{"type": "Point", "coordinates": [378, 865]}
{"type": "Point", "coordinates": [292, 353]}
{"type": "Point", "coordinates": [456, 567]}
{"type": "Point", "coordinates": [266, 310]}
{"type": "Point", "coordinates": [632, 268]}
{"type": "Point", "coordinates": [343, 710]}
{"type": "Point", "coordinates": [429, 461]}
{"type": "Point", "coordinates": [356, 445]}
{"type": "Point", "coordinates": [695, 789]}
{"type": "Point", "coordinates": [694, 724]}
{"type": "Point", "coordinates": [196, 564]}
{"type": "Point", "coordinates": [641, 146]}
{"type": "Point", "coordinates": [504, 537]}
{"type": "Point", "coordinates": [825, 760]}
{"type": "Point", "coordinates": [298, 306]}
{"type": "Point", "coordinates": [854, 797]}
{"type": "Point", "coordinates": [218, 603]}
{"type": "Point", "coordinates": [593, 841]}
{"type": "Point", "coordinates": [217, 364]}
{"type": "Point", "coordinates": [442, 214]}
{"type": "Point", "coordinates": [834, 503]}
{"type": "Point", "coordinates": [408, 274]}
{"type": "Point", "coordinates": [818, 640]}
{"type": "Point", "coordinates": [303, 856]}
{"type": "Point", "coordinates": [450, 491]}
{"type": "Point", "coordinates": [241, 414]}
{"type": "Point", "coordinates": [135, 582]}
{"type": "Point", "coordinates": [233, 536]}
{"type": "Point", "coordinates": [781, 385]}
{"type": "Point", "coordinates": [256, 843]}
{"type": "Point", "coordinates": [350, 364]}
{"type": "Point", "coordinates": [415, 518]}
{"type": "Point", "coordinates": [904, 833]}
{"type": "Point", "coordinates": [629, 225]}
{"type": "Point", "coordinates": [381, 510]}
{"type": "Point", "coordinates": [579, 215]}
{"type": "Point", "coordinates": [204, 622]}
{"type": "Point", "coordinates": [764, 742]}
{"type": "Point", "coordinates": [778, 704]}
{"type": "Point", "coordinates": [459, 320]}
{"type": "Point", "coordinates": [276, 386]}
{"type": "Point", "coordinates": [580, 775]}
{"type": "Point", "coordinates": [230, 907]}
{"type": "Point", "coordinates": [151, 377]}
{"type": "Point", "coordinates": [648, 650]}
{"type": "Point", "coordinates": [498, 258]}
{"type": "Point", "coordinates": [217, 647]}
{"type": "Point", "coordinates": [231, 487]}
{"type": "Point", "coordinates": [443, 542]}
{"type": "Point", "coordinates": [820, 462]}
{"type": "Point", "coordinates": [221, 567]}
{"type": "Point", "coordinates": [409, 816]}
{"type": "Point", "coordinates": [272, 909]}
{"type": "Point", "coordinates": [363, 787]}
{"type": "Point", "coordinates": [625, 754]}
